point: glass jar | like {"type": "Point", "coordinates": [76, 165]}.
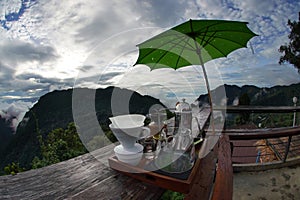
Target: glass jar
{"type": "Point", "coordinates": [183, 116]}
{"type": "Point", "coordinates": [178, 155]}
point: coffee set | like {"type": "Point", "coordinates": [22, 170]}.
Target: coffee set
{"type": "Point", "coordinates": [170, 151]}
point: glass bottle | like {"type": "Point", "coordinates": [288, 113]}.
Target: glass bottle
{"type": "Point", "coordinates": [183, 116]}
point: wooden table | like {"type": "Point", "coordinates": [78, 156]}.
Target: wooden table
{"type": "Point", "coordinates": [83, 177]}
{"type": "Point", "coordinates": [90, 177]}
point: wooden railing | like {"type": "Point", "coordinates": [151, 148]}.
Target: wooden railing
{"type": "Point", "coordinates": [214, 180]}
{"type": "Point", "coordinates": [264, 148]}
{"type": "Point", "coordinates": [259, 109]}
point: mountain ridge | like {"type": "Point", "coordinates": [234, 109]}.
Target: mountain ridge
{"type": "Point", "coordinates": [54, 110]}
{"type": "Point", "coordinates": [264, 96]}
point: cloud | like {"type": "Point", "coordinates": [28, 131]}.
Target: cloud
{"type": "Point", "coordinates": [263, 75]}
{"type": "Point", "coordinates": [14, 112]}
{"type": "Point", "coordinates": [28, 86]}
{"type": "Point", "coordinates": [94, 42]}
{"type": "Point", "coordinates": [16, 51]}
{"type": "Point", "coordinates": [6, 74]}
{"type": "Point", "coordinates": [161, 13]}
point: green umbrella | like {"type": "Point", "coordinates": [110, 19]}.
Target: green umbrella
{"type": "Point", "coordinates": [194, 42]}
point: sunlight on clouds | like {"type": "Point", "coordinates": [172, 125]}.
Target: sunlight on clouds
{"type": "Point", "coordinates": [55, 42]}
{"type": "Point", "coordinates": [166, 84]}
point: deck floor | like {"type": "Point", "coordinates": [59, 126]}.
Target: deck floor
{"type": "Point", "coordinates": [282, 183]}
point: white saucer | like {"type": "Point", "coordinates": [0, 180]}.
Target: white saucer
{"type": "Point", "coordinates": [136, 149]}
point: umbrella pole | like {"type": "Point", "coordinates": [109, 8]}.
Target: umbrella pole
{"type": "Point", "coordinates": [209, 95]}
{"type": "Point", "coordinates": [198, 50]}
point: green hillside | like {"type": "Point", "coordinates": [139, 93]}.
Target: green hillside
{"type": "Point", "coordinates": [54, 110]}
{"type": "Point", "coordinates": [273, 96]}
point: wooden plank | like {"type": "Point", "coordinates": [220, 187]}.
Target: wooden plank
{"type": "Point", "coordinates": [203, 182]}
{"type": "Point", "coordinates": [77, 178]}
{"type": "Point", "coordinates": [223, 188]}
{"type": "Point", "coordinates": [244, 151]}
{"type": "Point", "coordinates": [120, 187]}
{"type": "Point", "coordinates": [262, 133]}
{"type": "Point", "coordinates": [259, 109]}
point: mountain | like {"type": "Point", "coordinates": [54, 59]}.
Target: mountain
{"type": "Point", "coordinates": [54, 110]}
{"type": "Point", "coordinates": [274, 96]}
{"type": "Point", "coordinates": [6, 132]}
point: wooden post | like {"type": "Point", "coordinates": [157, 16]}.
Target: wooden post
{"type": "Point", "coordinates": [204, 179]}
{"type": "Point", "coordinates": [223, 188]}
{"type": "Point", "coordinates": [287, 148]}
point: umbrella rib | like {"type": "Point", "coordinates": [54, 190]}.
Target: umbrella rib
{"type": "Point", "coordinates": [182, 49]}
{"type": "Point", "coordinates": [231, 31]}
{"type": "Point", "coordinates": [204, 36]}
{"type": "Point", "coordinates": [183, 46]}
{"type": "Point", "coordinates": [208, 40]}
{"type": "Point", "coordinates": [216, 48]}
{"type": "Point", "coordinates": [186, 43]}
{"type": "Point", "coordinates": [178, 37]}
{"type": "Point", "coordinates": [166, 51]}
{"type": "Point", "coordinates": [231, 41]}
{"type": "Point", "coordinates": [177, 44]}
{"type": "Point", "coordinates": [160, 47]}
{"type": "Point", "coordinates": [213, 37]}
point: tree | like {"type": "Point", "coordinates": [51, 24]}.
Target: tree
{"type": "Point", "coordinates": [61, 144]}
{"type": "Point", "coordinates": [292, 50]}
{"type": "Point", "coordinates": [244, 100]}
{"type": "Point", "coordinates": [13, 169]}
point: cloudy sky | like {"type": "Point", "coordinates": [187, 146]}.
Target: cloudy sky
{"type": "Point", "coordinates": [54, 44]}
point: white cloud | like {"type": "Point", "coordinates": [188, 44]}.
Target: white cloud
{"type": "Point", "coordinates": [14, 52]}
{"type": "Point", "coordinates": [14, 111]}
{"type": "Point", "coordinates": [263, 75]}
{"type": "Point", "coordinates": [55, 40]}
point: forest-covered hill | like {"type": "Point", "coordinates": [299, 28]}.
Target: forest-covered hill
{"type": "Point", "coordinates": [274, 96]}
{"type": "Point", "coordinates": [6, 132]}
{"type": "Point", "coordinates": [54, 110]}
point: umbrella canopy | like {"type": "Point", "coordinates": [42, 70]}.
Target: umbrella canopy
{"type": "Point", "coordinates": [194, 42]}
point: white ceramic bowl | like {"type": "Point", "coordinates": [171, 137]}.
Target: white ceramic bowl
{"type": "Point", "coordinates": [128, 121]}
{"type": "Point", "coordinates": [129, 157]}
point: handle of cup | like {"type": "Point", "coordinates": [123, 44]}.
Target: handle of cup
{"type": "Point", "coordinates": [145, 132]}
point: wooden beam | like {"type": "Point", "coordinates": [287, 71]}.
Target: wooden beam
{"type": "Point", "coordinates": [203, 183]}
{"type": "Point", "coordinates": [223, 188]}
{"type": "Point", "coordinates": [242, 134]}
{"type": "Point", "coordinates": [258, 109]}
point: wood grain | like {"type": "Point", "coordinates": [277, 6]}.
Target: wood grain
{"type": "Point", "coordinates": [83, 177]}
{"type": "Point", "coordinates": [223, 188]}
